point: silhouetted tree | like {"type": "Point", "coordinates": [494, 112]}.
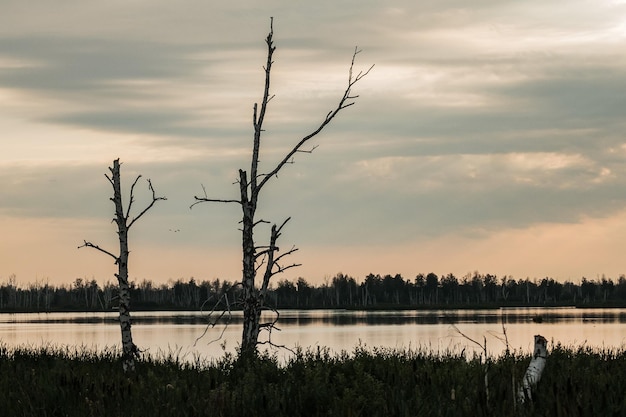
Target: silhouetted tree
{"type": "Point", "coordinates": [395, 289]}
{"type": "Point", "coordinates": [620, 288]}
{"type": "Point", "coordinates": [449, 288]}
{"type": "Point", "coordinates": [432, 288]}
{"type": "Point", "coordinates": [420, 284]}
{"type": "Point", "coordinates": [607, 287]}
{"type": "Point", "coordinates": [124, 223]}
{"type": "Point", "coordinates": [304, 292]}
{"type": "Point", "coordinates": [587, 290]}
{"type": "Point", "coordinates": [265, 259]}
{"type": "Point", "coordinates": [371, 289]}
{"type": "Point", "coordinates": [490, 284]}
{"type": "Point", "coordinates": [345, 289]}
{"type": "Point", "coordinates": [340, 291]}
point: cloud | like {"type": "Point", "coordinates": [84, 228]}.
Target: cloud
{"type": "Point", "coordinates": [499, 116]}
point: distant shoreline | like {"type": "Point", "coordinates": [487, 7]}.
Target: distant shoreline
{"type": "Point", "coordinates": [444, 307]}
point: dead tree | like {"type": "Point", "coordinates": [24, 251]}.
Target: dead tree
{"type": "Point", "coordinates": [264, 260]}
{"type": "Point", "coordinates": [534, 370]}
{"type": "Point", "coordinates": [124, 223]}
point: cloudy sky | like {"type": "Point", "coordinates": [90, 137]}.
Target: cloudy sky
{"type": "Point", "coordinates": [489, 137]}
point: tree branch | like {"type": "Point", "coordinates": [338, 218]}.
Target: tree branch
{"type": "Point", "coordinates": [154, 200]}
{"type": "Point", "coordinates": [212, 200]}
{"type": "Point", "coordinates": [344, 102]}
{"type": "Point", "coordinates": [212, 323]}
{"type": "Point", "coordinates": [256, 223]}
{"type": "Point", "coordinates": [259, 118]}
{"type": "Point", "coordinates": [272, 326]}
{"type": "Point", "coordinates": [289, 252]}
{"type": "Point", "coordinates": [96, 247]}
{"type": "Point", "coordinates": [282, 269]}
{"type": "Point", "coordinates": [271, 262]}
{"type": "Point", "coordinates": [206, 199]}
{"type": "Point", "coordinates": [132, 196]}
{"type": "Point", "coordinates": [307, 151]}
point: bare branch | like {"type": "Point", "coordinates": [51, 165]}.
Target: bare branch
{"type": "Point", "coordinates": [132, 196]}
{"type": "Point", "coordinates": [271, 262]}
{"type": "Point", "coordinates": [456, 329]}
{"type": "Point", "coordinates": [264, 252]}
{"type": "Point", "coordinates": [206, 199]}
{"type": "Point", "coordinates": [204, 191]}
{"type": "Point", "coordinates": [506, 338]}
{"type": "Point", "coordinates": [282, 269]}
{"type": "Point", "coordinates": [96, 247]}
{"type": "Point", "coordinates": [154, 200]}
{"type": "Point", "coordinates": [260, 117]}
{"type": "Point", "coordinates": [344, 102]}
{"type": "Point", "coordinates": [281, 226]}
{"type": "Point", "coordinates": [289, 252]}
{"type": "Point", "coordinates": [260, 264]}
{"type": "Point", "coordinates": [212, 200]}
{"type": "Point", "coordinates": [213, 323]}
{"type": "Point", "coordinates": [272, 326]}
{"type": "Point", "coordinates": [259, 222]}
{"type": "Point", "coordinates": [305, 151]}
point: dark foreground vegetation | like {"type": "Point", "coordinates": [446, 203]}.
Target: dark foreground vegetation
{"type": "Point", "coordinates": [53, 382]}
{"type": "Point", "coordinates": [342, 291]}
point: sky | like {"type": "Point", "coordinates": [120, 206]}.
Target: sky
{"type": "Point", "coordinates": [490, 136]}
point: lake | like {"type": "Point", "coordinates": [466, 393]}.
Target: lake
{"type": "Point", "coordinates": [180, 333]}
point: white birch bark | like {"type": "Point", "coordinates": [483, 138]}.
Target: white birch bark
{"type": "Point", "coordinates": [534, 370]}
{"type": "Point", "coordinates": [253, 255]}
{"type": "Point", "coordinates": [129, 349]}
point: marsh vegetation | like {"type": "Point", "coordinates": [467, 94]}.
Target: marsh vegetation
{"type": "Point", "coordinates": [365, 382]}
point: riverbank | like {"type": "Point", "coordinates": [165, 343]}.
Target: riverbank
{"type": "Point", "coordinates": [67, 382]}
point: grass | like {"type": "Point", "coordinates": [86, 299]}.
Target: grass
{"type": "Point", "coordinates": [366, 382]}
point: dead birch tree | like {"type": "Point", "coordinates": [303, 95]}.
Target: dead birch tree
{"type": "Point", "coordinates": [534, 370]}
{"type": "Point", "coordinates": [124, 223]}
{"type": "Point", "coordinates": [265, 260]}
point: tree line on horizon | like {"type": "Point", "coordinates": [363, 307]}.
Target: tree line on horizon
{"type": "Point", "coordinates": [342, 291]}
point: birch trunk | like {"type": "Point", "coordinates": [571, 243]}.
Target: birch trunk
{"type": "Point", "coordinates": [251, 305]}
{"type": "Point", "coordinates": [534, 370]}
{"type": "Point", "coordinates": [129, 349]}
{"type": "Point", "coordinates": [255, 256]}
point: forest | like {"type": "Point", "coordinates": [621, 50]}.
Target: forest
{"type": "Point", "coordinates": [428, 291]}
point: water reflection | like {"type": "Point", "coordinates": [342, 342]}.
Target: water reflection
{"type": "Point", "coordinates": [342, 317]}
{"type": "Point", "coordinates": [336, 329]}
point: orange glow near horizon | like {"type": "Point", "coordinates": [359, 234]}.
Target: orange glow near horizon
{"type": "Point", "coordinates": [45, 250]}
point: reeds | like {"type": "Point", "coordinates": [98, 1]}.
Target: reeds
{"type": "Point", "coordinates": [52, 381]}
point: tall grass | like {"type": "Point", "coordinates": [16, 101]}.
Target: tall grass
{"type": "Point", "coordinates": [366, 382]}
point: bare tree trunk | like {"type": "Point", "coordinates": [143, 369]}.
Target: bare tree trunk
{"type": "Point", "coordinates": [255, 256]}
{"type": "Point", "coordinates": [534, 370]}
{"type": "Point", "coordinates": [129, 349]}
{"type": "Point", "coordinates": [251, 309]}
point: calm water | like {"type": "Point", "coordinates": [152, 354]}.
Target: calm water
{"type": "Point", "coordinates": [177, 332]}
